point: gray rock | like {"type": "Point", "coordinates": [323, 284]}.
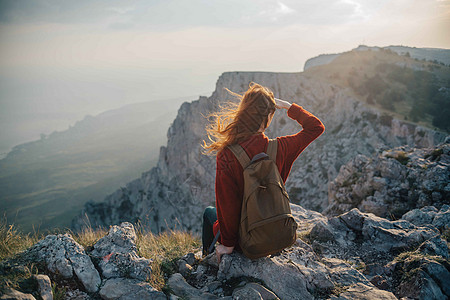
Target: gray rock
{"type": "Point", "coordinates": [52, 250]}
{"type": "Point", "coordinates": [181, 288]}
{"type": "Point", "coordinates": [374, 239]}
{"type": "Point", "coordinates": [44, 286]}
{"type": "Point", "coordinates": [420, 276]}
{"type": "Point", "coordinates": [420, 286]}
{"type": "Point", "coordinates": [360, 291]}
{"type": "Point", "coordinates": [430, 289]}
{"type": "Point", "coordinates": [265, 293]}
{"type": "Point", "coordinates": [246, 293]}
{"type": "Point", "coordinates": [342, 273]}
{"type": "Point", "coordinates": [120, 239]}
{"type": "Point", "coordinates": [201, 269]}
{"type": "Point", "coordinates": [440, 275]}
{"type": "Point", "coordinates": [185, 264]}
{"type": "Point", "coordinates": [394, 183]}
{"type": "Point", "coordinates": [301, 273]}
{"type": "Point", "coordinates": [442, 218]}
{"type": "Point", "coordinates": [420, 217]}
{"type": "Point", "coordinates": [435, 246]}
{"type": "Point", "coordinates": [189, 258]}
{"type": "Point", "coordinates": [63, 255]}
{"type": "Point", "coordinates": [212, 286]}
{"type": "Point", "coordinates": [379, 282]}
{"type": "Point", "coordinates": [129, 289]}
{"type": "Point", "coordinates": [128, 265]}
{"type": "Point", "coordinates": [211, 260]}
{"type": "Point", "coordinates": [12, 294]}
{"type": "Point", "coordinates": [429, 215]}
{"type": "Point", "coordinates": [118, 256]}
{"type": "Point", "coordinates": [76, 295]}
{"type": "Point", "coordinates": [184, 268]}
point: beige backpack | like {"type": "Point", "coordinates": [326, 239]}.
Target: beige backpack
{"type": "Point", "coordinates": [266, 225]}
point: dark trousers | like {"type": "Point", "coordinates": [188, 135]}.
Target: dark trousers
{"type": "Point", "coordinates": [209, 218]}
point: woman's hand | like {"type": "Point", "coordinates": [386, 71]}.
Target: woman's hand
{"type": "Point", "coordinates": [221, 250]}
{"type": "Point", "coordinates": [282, 104]}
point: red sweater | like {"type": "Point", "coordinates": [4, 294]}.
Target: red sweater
{"type": "Point", "coordinates": [230, 180]}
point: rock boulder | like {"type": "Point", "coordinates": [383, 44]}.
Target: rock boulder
{"type": "Point", "coordinates": [63, 255]}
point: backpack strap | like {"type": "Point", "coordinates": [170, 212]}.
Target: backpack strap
{"type": "Point", "coordinates": [272, 149]}
{"type": "Point", "coordinates": [240, 154]}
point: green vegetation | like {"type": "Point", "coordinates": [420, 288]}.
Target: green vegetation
{"type": "Point", "coordinates": [417, 91]}
{"type": "Point", "coordinates": [45, 183]}
{"type": "Point", "coordinates": [164, 250]}
{"type": "Point", "coordinates": [422, 91]}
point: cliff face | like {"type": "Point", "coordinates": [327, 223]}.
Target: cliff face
{"type": "Point", "coordinates": [393, 182]}
{"type": "Point", "coordinates": [174, 193]}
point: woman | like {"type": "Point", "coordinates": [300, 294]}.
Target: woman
{"type": "Point", "coordinates": [245, 124]}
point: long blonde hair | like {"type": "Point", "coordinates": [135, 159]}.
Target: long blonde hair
{"type": "Point", "coordinates": [236, 122]}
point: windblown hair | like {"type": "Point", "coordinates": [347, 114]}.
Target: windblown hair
{"type": "Point", "coordinates": [236, 122]}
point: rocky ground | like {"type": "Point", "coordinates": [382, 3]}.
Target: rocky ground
{"type": "Point", "coordinates": [394, 182]}
{"type": "Point", "coordinates": [351, 256]}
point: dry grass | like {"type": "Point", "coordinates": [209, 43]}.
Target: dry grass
{"type": "Point", "coordinates": [88, 236]}
{"type": "Point", "coordinates": [13, 241]}
{"type": "Point", "coordinates": [165, 249]}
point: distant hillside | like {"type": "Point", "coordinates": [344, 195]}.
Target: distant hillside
{"type": "Point", "coordinates": [436, 55]}
{"type": "Point", "coordinates": [406, 88]}
{"type": "Point", "coordinates": [44, 184]}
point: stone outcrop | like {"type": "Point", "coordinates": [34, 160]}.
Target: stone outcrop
{"type": "Point", "coordinates": [373, 239]}
{"type": "Point", "coordinates": [174, 193]}
{"type": "Point", "coordinates": [125, 288]}
{"type": "Point", "coordinates": [353, 256]}
{"type": "Point", "coordinates": [430, 215]}
{"type": "Point", "coordinates": [12, 294]}
{"type": "Point", "coordinates": [394, 182]}
{"type": "Point", "coordinates": [44, 286]}
{"type": "Point", "coordinates": [62, 255]}
{"type": "Point", "coordinates": [117, 254]}
{"type": "Point", "coordinates": [111, 268]}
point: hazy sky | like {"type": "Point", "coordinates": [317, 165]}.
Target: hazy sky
{"type": "Point", "coordinates": [61, 59]}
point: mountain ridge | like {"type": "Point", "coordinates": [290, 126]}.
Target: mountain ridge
{"type": "Point", "coordinates": [428, 54]}
{"type": "Point", "coordinates": [45, 183]}
{"type": "Point", "coordinates": [175, 192]}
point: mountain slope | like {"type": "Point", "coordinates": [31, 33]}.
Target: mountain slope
{"type": "Point", "coordinates": [436, 55]}
{"type": "Point", "coordinates": [405, 88]}
{"type": "Point", "coordinates": [43, 184]}
{"type": "Point", "coordinates": [174, 193]}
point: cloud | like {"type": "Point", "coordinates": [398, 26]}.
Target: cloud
{"type": "Point", "coordinates": [276, 11]}
{"type": "Point", "coordinates": [177, 14]}
{"type": "Point", "coordinates": [283, 9]}
{"type": "Point", "coordinates": [357, 9]}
